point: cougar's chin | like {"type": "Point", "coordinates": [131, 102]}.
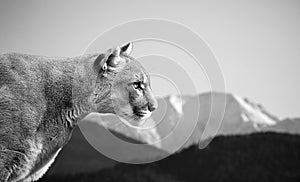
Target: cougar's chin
{"type": "Point", "coordinates": [135, 119]}
{"type": "Point", "coordinates": [144, 114]}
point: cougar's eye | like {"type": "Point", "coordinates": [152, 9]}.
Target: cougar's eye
{"type": "Point", "coordinates": [138, 85]}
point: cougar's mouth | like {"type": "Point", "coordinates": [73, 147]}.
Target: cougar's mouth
{"type": "Point", "coordinates": [135, 116]}
{"type": "Point", "coordinates": [143, 114]}
{"type": "Point", "coordinates": [135, 119]}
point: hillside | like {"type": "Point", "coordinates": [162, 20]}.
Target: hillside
{"type": "Point", "coordinates": [255, 157]}
{"type": "Point", "coordinates": [79, 156]}
{"type": "Point", "coordinates": [175, 115]}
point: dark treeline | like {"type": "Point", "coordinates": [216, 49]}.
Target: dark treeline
{"type": "Point", "coordinates": [255, 157]}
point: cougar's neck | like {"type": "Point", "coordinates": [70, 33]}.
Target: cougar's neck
{"type": "Point", "coordinates": [85, 96]}
{"type": "Point", "coordinates": [72, 115]}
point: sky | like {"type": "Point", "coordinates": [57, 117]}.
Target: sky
{"type": "Point", "coordinates": [256, 43]}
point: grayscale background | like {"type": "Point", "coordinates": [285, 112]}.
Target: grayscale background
{"type": "Point", "coordinates": [256, 45]}
{"type": "Point", "coordinates": [256, 42]}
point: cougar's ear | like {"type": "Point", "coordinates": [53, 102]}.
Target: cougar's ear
{"type": "Point", "coordinates": [108, 60]}
{"type": "Point", "coordinates": [126, 49]}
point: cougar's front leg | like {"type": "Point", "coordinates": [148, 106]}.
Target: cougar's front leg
{"type": "Point", "coordinates": [4, 172]}
{"type": "Point", "coordinates": [12, 165]}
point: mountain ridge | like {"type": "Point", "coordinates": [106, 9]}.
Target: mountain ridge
{"type": "Point", "coordinates": [171, 117]}
{"type": "Point", "coordinates": [266, 156]}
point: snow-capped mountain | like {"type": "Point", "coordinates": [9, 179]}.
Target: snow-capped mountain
{"type": "Point", "coordinates": [182, 120]}
{"type": "Point", "coordinates": [179, 122]}
{"type": "Point", "coordinates": [287, 125]}
{"type": "Point", "coordinates": [255, 113]}
{"type": "Point", "coordinates": [209, 114]}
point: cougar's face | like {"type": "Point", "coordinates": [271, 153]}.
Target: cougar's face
{"type": "Point", "coordinates": [130, 95]}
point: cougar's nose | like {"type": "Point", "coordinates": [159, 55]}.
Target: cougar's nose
{"type": "Point", "coordinates": [152, 105]}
